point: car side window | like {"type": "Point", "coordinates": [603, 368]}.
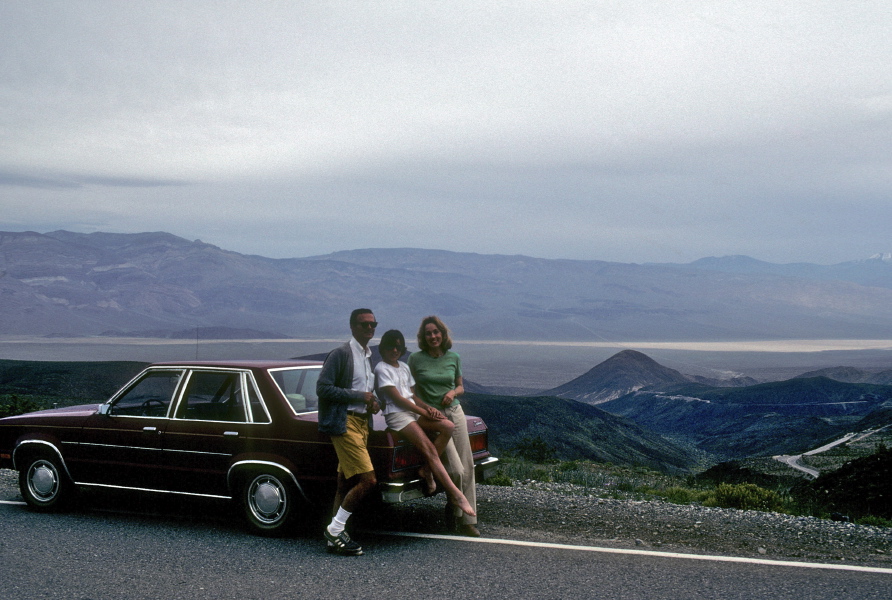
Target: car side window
{"type": "Point", "coordinates": [213, 396]}
{"type": "Point", "coordinates": [150, 396]}
{"type": "Point", "coordinates": [299, 387]}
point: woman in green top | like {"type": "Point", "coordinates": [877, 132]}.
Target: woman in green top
{"type": "Point", "coordinates": [438, 382]}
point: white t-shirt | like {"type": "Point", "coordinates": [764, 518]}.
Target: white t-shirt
{"type": "Point", "coordinates": [400, 377]}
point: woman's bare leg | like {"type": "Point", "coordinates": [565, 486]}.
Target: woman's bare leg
{"type": "Point", "coordinates": [442, 426]}
{"type": "Point", "coordinates": [418, 438]}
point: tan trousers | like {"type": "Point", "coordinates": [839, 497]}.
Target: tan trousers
{"type": "Point", "coordinates": [459, 461]}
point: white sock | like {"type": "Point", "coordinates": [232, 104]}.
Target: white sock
{"type": "Point", "coordinates": [339, 521]}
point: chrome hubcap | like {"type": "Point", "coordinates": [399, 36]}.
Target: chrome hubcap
{"type": "Point", "coordinates": [267, 499]}
{"type": "Point", "coordinates": [43, 480]}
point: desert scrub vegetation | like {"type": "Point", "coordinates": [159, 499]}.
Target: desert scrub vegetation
{"type": "Point", "coordinates": [639, 483]}
{"type": "Point", "coordinates": [746, 496]}
{"type": "Point", "coordinates": [604, 479]}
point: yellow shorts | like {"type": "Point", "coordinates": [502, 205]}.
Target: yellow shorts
{"type": "Point", "coordinates": [352, 448]}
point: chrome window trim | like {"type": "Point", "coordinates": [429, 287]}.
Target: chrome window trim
{"type": "Point", "coordinates": [126, 387]}
{"type": "Point", "coordinates": [251, 384]}
{"type": "Point", "coordinates": [282, 393]}
{"type": "Point", "coordinates": [181, 393]}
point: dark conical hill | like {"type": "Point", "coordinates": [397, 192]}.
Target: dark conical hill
{"type": "Point", "coordinates": [623, 373]}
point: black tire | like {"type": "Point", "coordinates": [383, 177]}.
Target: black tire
{"type": "Point", "coordinates": [44, 484]}
{"type": "Point", "coordinates": [269, 500]}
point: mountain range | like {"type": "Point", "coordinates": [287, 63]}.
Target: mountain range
{"type": "Point", "coordinates": [155, 284]}
{"type": "Point", "coordinates": [628, 372]}
{"type": "Point", "coordinates": [759, 419]}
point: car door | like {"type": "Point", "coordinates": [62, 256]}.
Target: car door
{"type": "Point", "coordinates": [121, 445]}
{"type": "Point", "coordinates": [207, 429]}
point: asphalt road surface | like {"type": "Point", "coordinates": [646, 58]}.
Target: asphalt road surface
{"type": "Point", "coordinates": [165, 552]}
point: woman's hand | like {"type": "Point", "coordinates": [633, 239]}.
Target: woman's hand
{"type": "Point", "coordinates": [434, 414]}
{"type": "Point", "coordinates": [448, 398]}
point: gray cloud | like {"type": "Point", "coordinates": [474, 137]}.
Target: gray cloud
{"type": "Point", "coordinates": [632, 131]}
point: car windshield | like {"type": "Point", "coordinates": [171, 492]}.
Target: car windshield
{"type": "Point", "coordinates": [299, 386]}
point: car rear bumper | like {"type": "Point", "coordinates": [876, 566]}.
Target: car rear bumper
{"type": "Point", "coordinates": [394, 492]}
{"type": "Point", "coordinates": [485, 468]}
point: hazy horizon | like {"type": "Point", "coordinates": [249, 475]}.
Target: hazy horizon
{"type": "Point", "coordinates": [532, 366]}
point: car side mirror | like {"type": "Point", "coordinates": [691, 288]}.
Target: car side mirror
{"type": "Point", "coordinates": [104, 409]}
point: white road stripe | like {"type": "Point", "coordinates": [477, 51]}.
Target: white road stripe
{"type": "Point", "coordinates": [734, 559]}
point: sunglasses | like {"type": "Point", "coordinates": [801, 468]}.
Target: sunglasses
{"type": "Point", "coordinates": [402, 349]}
{"type": "Point", "coordinates": [369, 324]}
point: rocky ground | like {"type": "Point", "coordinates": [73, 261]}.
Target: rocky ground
{"type": "Point", "coordinates": [561, 513]}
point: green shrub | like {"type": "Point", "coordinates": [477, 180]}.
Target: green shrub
{"type": "Point", "coordinates": [534, 449]}
{"type": "Point", "coordinates": [11, 405]}
{"type": "Point", "coordinates": [745, 496]}
{"type": "Point", "coordinates": [541, 475]}
{"type": "Point", "coordinates": [500, 479]}
{"type": "Point", "coordinates": [681, 495]}
{"type": "Point", "coordinates": [875, 521]}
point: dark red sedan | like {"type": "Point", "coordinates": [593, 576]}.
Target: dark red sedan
{"type": "Point", "coordinates": [241, 430]}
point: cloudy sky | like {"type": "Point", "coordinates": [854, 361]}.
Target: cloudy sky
{"type": "Point", "coordinates": [616, 130]}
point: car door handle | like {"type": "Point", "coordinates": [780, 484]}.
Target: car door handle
{"type": "Point", "coordinates": [235, 433]}
{"type": "Point", "coordinates": [150, 429]}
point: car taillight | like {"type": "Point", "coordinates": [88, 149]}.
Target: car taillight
{"type": "Point", "coordinates": [478, 442]}
{"type": "Point", "coordinates": [406, 457]}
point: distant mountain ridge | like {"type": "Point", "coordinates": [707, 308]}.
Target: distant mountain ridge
{"type": "Point", "coordinates": [72, 284]}
{"type": "Point", "coordinates": [851, 375]}
{"type": "Point", "coordinates": [874, 271]}
{"type": "Point", "coordinates": [621, 374]}
{"type": "Point", "coordinates": [755, 419]}
{"type": "Point", "coordinates": [629, 371]}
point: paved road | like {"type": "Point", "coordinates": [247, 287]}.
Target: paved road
{"type": "Point", "coordinates": [101, 554]}
{"type": "Point", "coordinates": [792, 460]}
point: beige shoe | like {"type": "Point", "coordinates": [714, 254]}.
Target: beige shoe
{"type": "Point", "coordinates": [468, 530]}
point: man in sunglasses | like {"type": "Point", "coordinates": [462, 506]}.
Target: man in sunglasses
{"type": "Point", "coordinates": [346, 405]}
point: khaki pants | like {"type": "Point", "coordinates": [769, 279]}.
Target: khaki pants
{"type": "Point", "coordinates": [459, 461]}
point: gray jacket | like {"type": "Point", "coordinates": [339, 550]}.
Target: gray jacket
{"type": "Point", "coordinates": [335, 391]}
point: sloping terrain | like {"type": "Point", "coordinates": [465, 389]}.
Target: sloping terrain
{"type": "Point", "coordinates": [851, 375]}
{"type": "Point", "coordinates": [786, 417]}
{"type": "Point", "coordinates": [623, 373]}
{"type": "Point", "coordinates": [568, 430]}
{"type": "Point", "coordinates": [874, 271]}
{"type": "Point", "coordinates": [67, 382]}
{"type": "Point", "coordinates": [72, 284]}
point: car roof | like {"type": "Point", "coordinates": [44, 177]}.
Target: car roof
{"type": "Point", "coordinates": [240, 364]}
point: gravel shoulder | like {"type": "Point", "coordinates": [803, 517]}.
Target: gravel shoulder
{"type": "Point", "coordinates": [565, 514]}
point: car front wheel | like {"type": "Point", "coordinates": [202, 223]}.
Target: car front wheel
{"type": "Point", "coordinates": [43, 484]}
{"type": "Point", "coordinates": [269, 502]}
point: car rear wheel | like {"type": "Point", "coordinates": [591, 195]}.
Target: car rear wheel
{"type": "Point", "coordinates": [269, 502]}
{"type": "Point", "coordinates": [43, 483]}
